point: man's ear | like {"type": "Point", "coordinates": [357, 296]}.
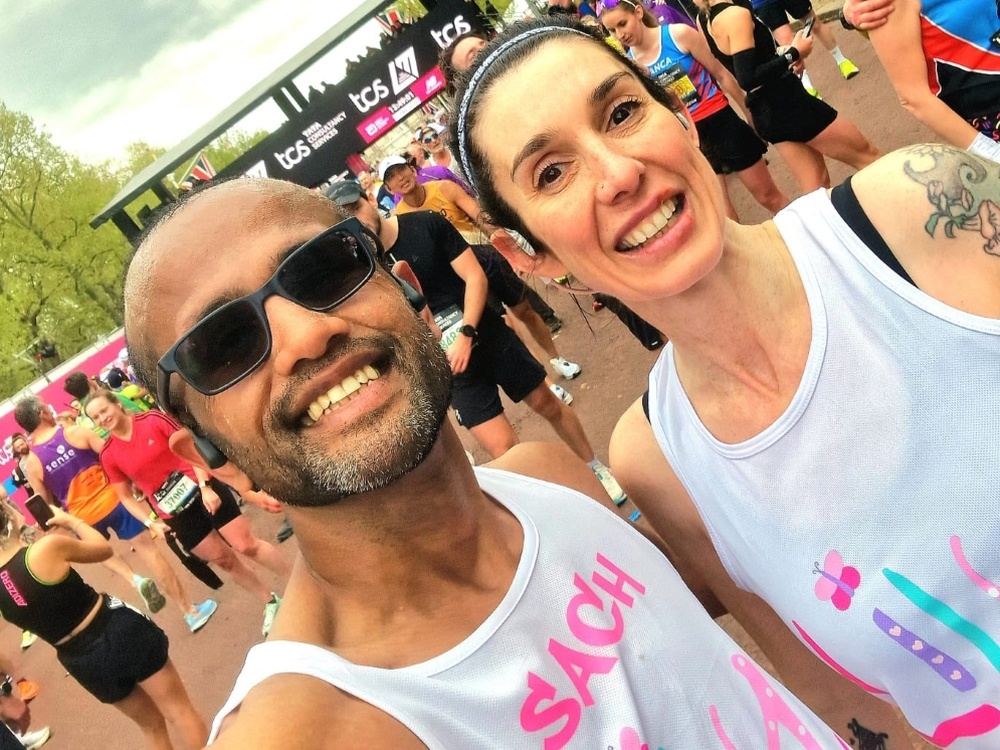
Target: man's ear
{"type": "Point", "coordinates": [182, 444]}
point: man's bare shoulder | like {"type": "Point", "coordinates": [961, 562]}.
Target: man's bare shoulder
{"type": "Point", "coordinates": [292, 710]}
{"type": "Point", "coordinates": [552, 463]}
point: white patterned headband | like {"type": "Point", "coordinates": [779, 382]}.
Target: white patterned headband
{"type": "Point", "coordinates": [470, 90]}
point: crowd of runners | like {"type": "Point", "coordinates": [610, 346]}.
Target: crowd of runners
{"type": "Point", "coordinates": [816, 453]}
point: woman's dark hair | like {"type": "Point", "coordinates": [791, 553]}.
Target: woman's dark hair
{"type": "Point", "coordinates": [478, 169]}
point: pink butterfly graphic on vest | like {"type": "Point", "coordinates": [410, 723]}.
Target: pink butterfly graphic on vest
{"type": "Point", "coordinates": [837, 582]}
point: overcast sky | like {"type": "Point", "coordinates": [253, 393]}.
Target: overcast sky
{"type": "Point", "coordinates": [99, 74]}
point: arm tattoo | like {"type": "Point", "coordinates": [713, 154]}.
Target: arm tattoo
{"type": "Point", "coordinates": [961, 190]}
{"type": "Point", "coordinates": [866, 739]}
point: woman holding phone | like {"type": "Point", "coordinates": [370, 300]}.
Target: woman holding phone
{"type": "Point", "coordinates": [821, 440]}
{"type": "Point", "coordinates": [115, 652]}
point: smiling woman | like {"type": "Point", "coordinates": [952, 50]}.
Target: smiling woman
{"type": "Point", "coordinates": [820, 373]}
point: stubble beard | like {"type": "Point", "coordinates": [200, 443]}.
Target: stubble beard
{"type": "Point", "coordinates": [382, 446]}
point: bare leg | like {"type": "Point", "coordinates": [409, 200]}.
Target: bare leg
{"type": "Point", "coordinates": [141, 709]}
{"type": "Point", "coordinates": [214, 549]}
{"type": "Point", "coordinates": [563, 420]}
{"type": "Point", "coordinates": [842, 141]}
{"type": "Point", "coordinates": [806, 164]}
{"type": "Point", "coordinates": [173, 703]}
{"type": "Point", "coordinates": [117, 564]}
{"type": "Point", "coordinates": [730, 208]}
{"type": "Point", "coordinates": [824, 32]}
{"type": "Point", "coordinates": [166, 580]}
{"type": "Point", "coordinates": [536, 326]}
{"type": "Point", "coordinates": [239, 534]}
{"type": "Point", "coordinates": [761, 185]}
{"type": "Point", "coordinates": [497, 435]}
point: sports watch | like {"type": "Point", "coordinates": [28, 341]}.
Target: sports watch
{"type": "Point", "coordinates": [469, 331]}
{"type": "Point", "coordinates": [7, 686]}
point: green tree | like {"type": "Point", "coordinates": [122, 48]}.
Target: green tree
{"type": "Point", "coordinates": [59, 279]}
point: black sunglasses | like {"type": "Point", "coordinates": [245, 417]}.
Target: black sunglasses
{"type": "Point", "coordinates": [430, 138]}
{"type": "Point", "coordinates": [231, 342]}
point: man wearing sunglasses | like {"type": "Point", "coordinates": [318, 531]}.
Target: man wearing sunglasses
{"type": "Point", "coordinates": [432, 605]}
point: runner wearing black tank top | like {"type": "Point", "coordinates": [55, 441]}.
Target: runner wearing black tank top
{"type": "Point", "coordinates": [803, 128]}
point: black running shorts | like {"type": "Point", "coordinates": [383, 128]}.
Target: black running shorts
{"type": "Point", "coordinates": [194, 523]}
{"type": "Point", "coordinates": [498, 359]}
{"type": "Point", "coordinates": [117, 651]}
{"type": "Point", "coordinates": [784, 111]}
{"type": "Point", "coordinates": [775, 14]}
{"type": "Point", "coordinates": [729, 144]}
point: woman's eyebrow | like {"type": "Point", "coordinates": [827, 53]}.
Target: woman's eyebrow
{"type": "Point", "coordinates": [536, 144]}
{"type": "Point", "coordinates": [603, 89]}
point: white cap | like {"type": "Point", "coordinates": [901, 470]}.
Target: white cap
{"type": "Point", "coordinates": [388, 163]}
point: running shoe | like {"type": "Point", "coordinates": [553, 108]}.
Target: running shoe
{"type": "Point", "coordinates": [27, 689]}
{"type": "Point", "coordinates": [34, 740]}
{"type": "Point", "coordinates": [848, 69]}
{"type": "Point", "coordinates": [562, 394]}
{"type": "Point", "coordinates": [27, 638]}
{"type": "Point", "coordinates": [564, 367]}
{"type": "Point", "coordinates": [202, 614]}
{"type": "Point", "coordinates": [611, 486]}
{"type": "Point", "coordinates": [155, 601]}
{"type": "Point", "coordinates": [270, 611]}
{"type": "Point", "coordinates": [813, 92]}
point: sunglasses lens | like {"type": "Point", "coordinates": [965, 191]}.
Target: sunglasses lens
{"type": "Point", "coordinates": [223, 348]}
{"type": "Point", "coordinates": [326, 271]}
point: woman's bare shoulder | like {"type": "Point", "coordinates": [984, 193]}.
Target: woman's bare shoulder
{"type": "Point", "coordinates": [938, 209]}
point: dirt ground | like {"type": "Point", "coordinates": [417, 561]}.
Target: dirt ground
{"type": "Point", "coordinates": [614, 375]}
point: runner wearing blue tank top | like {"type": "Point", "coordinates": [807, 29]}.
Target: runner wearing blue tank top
{"type": "Point", "coordinates": [677, 57]}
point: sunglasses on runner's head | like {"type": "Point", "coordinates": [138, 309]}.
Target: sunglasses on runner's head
{"type": "Point", "coordinates": [604, 5]}
{"type": "Point", "coordinates": [235, 339]}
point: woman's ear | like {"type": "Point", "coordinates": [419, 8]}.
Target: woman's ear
{"type": "Point", "coordinates": [540, 263]}
{"type": "Point", "coordinates": [688, 123]}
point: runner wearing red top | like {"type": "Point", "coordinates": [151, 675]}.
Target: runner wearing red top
{"type": "Point", "coordinates": [200, 511]}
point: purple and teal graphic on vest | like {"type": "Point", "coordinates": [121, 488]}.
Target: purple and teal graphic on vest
{"type": "Point", "coordinates": [559, 717]}
{"type": "Point", "coordinates": [837, 582]}
{"type": "Point", "coordinates": [774, 709]}
{"type": "Point", "coordinates": [950, 670]}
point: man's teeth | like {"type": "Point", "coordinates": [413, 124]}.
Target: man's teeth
{"type": "Point", "coordinates": [332, 398]}
{"type": "Point", "coordinates": [651, 226]}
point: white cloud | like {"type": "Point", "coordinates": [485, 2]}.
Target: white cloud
{"type": "Point", "coordinates": [185, 85]}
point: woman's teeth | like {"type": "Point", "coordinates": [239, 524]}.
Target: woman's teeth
{"type": "Point", "coordinates": [652, 225]}
{"type": "Point", "coordinates": [332, 398]}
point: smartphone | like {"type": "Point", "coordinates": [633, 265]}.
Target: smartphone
{"type": "Point", "coordinates": [807, 27]}
{"type": "Point", "coordinates": [40, 510]}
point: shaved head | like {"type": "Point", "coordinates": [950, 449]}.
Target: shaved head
{"type": "Point", "coordinates": [258, 203]}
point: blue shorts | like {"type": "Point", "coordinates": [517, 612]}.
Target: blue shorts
{"type": "Point", "coordinates": [125, 525]}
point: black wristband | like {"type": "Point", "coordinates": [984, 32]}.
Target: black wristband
{"type": "Point", "coordinates": [845, 23]}
{"type": "Point", "coordinates": [791, 54]}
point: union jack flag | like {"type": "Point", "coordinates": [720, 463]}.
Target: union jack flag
{"type": "Point", "coordinates": [200, 170]}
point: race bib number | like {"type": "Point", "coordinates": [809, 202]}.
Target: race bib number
{"type": "Point", "coordinates": [675, 79]}
{"type": "Point", "coordinates": [449, 321]}
{"type": "Point", "coordinates": [176, 494]}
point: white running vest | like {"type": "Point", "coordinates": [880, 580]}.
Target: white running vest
{"type": "Point", "coordinates": [597, 644]}
{"type": "Point", "coordinates": [867, 515]}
